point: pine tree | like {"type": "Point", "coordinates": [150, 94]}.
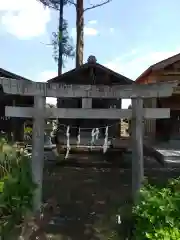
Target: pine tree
{"type": "Point", "coordinates": [66, 41]}
{"type": "Point", "coordinates": [62, 43]}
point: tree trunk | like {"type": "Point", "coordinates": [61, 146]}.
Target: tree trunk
{"type": "Point", "coordinates": [60, 53]}
{"type": "Point", "coordinates": [79, 39]}
{"type": "Point", "coordinates": [79, 33]}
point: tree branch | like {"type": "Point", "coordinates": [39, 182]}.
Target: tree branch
{"type": "Point", "coordinates": [49, 4]}
{"type": "Point", "coordinates": [54, 4]}
{"type": "Point", "coordinates": [97, 5]}
{"type": "Point", "coordinates": [72, 2]}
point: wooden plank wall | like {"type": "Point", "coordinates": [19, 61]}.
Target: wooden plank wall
{"type": "Point", "coordinates": [150, 124]}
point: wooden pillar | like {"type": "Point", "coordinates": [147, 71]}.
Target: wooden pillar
{"type": "Point", "coordinates": [118, 127]}
{"type": "Point", "coordinates": [115, 129]}
{"type": "Point", "coordinates": [13, 123]}
{"type": "Point", "coordinates": [137, 146]}
{"type": "Point", "coordinates": [147, 123]}
{"type": "Point", "coordinates": [153, 121]}
{"type": "Point", "coordinates": [150, 124]}
{"type": "Point", "coordinates": [38, 148]}
{"type": "Point", "coordinates": [17, 125]}
{"type": "Point", "coordinates": [86, 104]}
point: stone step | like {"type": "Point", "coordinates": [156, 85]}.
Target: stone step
{"type": "Point", "coordinates": [171, 156]}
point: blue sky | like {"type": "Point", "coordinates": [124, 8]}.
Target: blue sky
{"type": "Point", "coordinates": [126, 36]}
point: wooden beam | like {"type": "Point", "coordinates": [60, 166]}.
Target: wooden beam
{"type": "Point", "coordinates": [86, 103]}
{"type": "Point", "coordinates": [137, 147]}
{"type": "Point", "coordinates": [176, 90]}
{"type": "Point", "coordinates": [171, 73]}
{"type": "Point", "coordinates": [38, 149]}
{"type": "Point", "coordinates": [77, 113]}
{"type": "Point", "coordinates": [12, 86]}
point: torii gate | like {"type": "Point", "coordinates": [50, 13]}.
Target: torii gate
{"type": "Point", "coordinates": [39, 113]}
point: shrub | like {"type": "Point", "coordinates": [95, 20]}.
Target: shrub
{"type": "Point", "coordinates": [16, 188]}
{"type": "Point", "coordinates": [157, 215]}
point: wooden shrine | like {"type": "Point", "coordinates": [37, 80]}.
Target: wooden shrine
{"type": "Point", "coordinates": [95, 74]}
{"type": "Point", "coordinates": [165, 130]}
{"type": "Point", "coordinates": [13, 127]}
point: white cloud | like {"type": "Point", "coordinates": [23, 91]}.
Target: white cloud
{"type": "Point", "coordinates": [92, 22]}
{"type": "Point", "coordinates": [45, 76]}
{"type": "Point", "coordinates": [137, 63]}
{"type": "Point", "coordinates": [24, 18]}
{"type": "Point", "coordinates": [133, 51]}
{"type": "Point", "coordinates": [112, 30]}
{"type": "Point", "coordinates": [88, 31]}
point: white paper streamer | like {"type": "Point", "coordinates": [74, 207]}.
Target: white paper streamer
{"type": "Point", "coordinates": [94, 135]}
{"type": "Point", "coordinates": [97, 133]}
{"type": "Point", "coordinates": [68, 147]}
{"type": "Point", "coordinates": [79, 137]}
{"type": "Point", "coordinates": [105, 146]}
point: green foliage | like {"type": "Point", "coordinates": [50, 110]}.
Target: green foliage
{"type": "Point", "coordinates": [68, 50]}
{"type": "Point", "coordinates": [157, 215]}
{"type": "Point", "coordinates": [54, 4]}
{"type": "Point", "coordinates": [28, 130]}
{"type": "Point", "coordinates": [16, 188]}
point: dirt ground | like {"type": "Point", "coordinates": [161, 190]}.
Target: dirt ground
{"type": "Point", "coordinates": [90, 198]}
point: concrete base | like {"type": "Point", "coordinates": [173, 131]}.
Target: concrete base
{"type": "Point", "coordinates": [175, 143]}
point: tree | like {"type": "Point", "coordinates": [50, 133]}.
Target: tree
{"type": "Point", "coordinates": [80, 10]}
{"type": "Point", "coordinates": [62, 44]}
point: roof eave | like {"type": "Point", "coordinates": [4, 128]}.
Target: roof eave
{"type": "Point", "coordinates": [86, 65]}
{"type": "Point", "coordinates": [12, 75]}
{"type": "Point", "coordinates": [146, 73]}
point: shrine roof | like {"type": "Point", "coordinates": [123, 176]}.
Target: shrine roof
{"type": "Point", "coordinates": [89, 72]}
{"type": "Point", "coordinates": [158, 66]}
{"type": "Point", "coordinates": [7, 74]}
